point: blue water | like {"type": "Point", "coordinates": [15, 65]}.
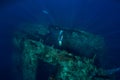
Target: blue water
{"type": "Point", "coordinates": [97, 16]}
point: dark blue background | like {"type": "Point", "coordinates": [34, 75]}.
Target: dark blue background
{"type": "Point", "coordinates": [97, 16]}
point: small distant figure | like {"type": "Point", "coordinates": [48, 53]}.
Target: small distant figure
{"type": "Point", "coordinates": [113, 71]}
{"type": "Point", "coordinates": [45, 12]}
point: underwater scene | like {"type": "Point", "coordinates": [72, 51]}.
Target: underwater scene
{"type": "Point", "coordinates": [59, 40]}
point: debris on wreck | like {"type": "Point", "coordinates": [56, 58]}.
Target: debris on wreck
{"type": "Point", "coordinates": [38, 42]}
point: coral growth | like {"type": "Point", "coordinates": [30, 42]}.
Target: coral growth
{"type": "Point", "coordinates": [69, 66]}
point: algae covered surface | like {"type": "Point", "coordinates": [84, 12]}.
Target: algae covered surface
{"type": "Point", "coordinates": [73, 60]}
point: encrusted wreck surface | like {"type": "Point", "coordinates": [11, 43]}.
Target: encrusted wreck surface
{"type": "Point", "coordinates": [34, 46]}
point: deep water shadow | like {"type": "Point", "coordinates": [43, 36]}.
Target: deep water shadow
{"type": "Point", "coordinates": [44, 70]}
